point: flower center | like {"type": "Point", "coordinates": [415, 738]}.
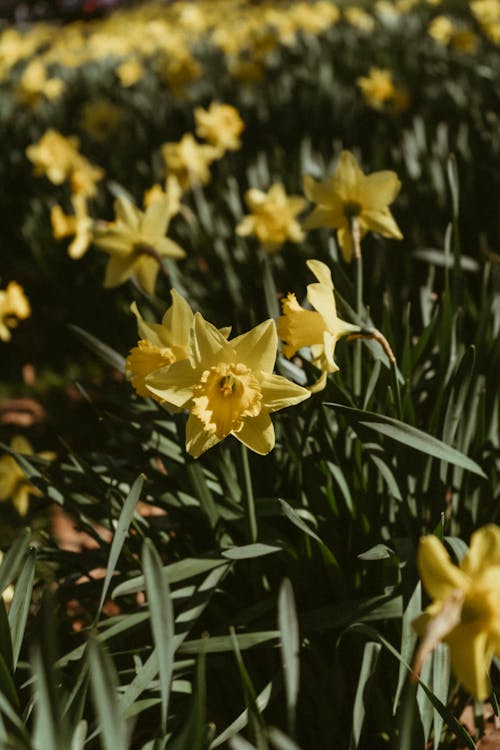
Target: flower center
{"type": "Point", "coordinates": [224, 396]}
{"type": "Point", "coordinates": [352, 209]}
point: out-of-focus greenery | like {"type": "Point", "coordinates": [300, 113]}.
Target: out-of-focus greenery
{"type": "Point", "coordinates": [200, 635]}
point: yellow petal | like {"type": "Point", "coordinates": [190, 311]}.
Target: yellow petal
{"type": "Point", "coordinates": [257, 434]}
{"type": "Point", "coordinates": [258, 347]}
{"type": "Point", "coordinates": [174, 384]}
{"type": "Point", "coordinates": [471, 653]}
{"type": "Point", "coordinates": [378, 190]}
{"type": "Point", "coordinates": [484, 550]}
{"type": "Point", "coordinates": [207, 343]}
{"type": "Point", "coordinates": [146, 270]}
{"type": "Point", "coordinates": [330, 217]}
{"type": "Point", "coordinates": [439, 575]}
{"type": "Point", "coordinates": [178, 318]}
{"type": "Point", "coordinates": [382, 222]}
{"type": "Point", "coordinates": [20, 444]}
{"type": "Point", "coordinates": [278, 393]}
{"type": "Point", "coordinates": [168, 248]}
{"type": "Point", "coordinates": [198, 440]}
{"type": "Point", "coordinates": [156, 218]}
{"type": "Point", "coordinates": [126, 212]}
{"type": "Point", "coordinates": [118, 270]}
{"type": "Point", "coordinates": [348, 175]}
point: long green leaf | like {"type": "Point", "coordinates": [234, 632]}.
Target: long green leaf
{"type": "Point", "coordinates": [175, 572]}
{"type": "Point", "coordinates": [290, 648]}
{"type": "Point", "coordinates": [19, 609]}
{"type": "Point", "coordinates": [104, 685]}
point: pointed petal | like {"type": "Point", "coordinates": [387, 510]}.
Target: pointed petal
{"type": "Point", "coordinates": [146, 270]}
{"type": "Point", "coordinates": [382, 222]}
{"type": "Point", "coordinates": [331, 217]}
{"type": "Point", "coordinates": [198, 440]}
{"type": "Point", "coordinates": [439, 576]}
{"type": "Point", "coordinates": [378, 190]}
{"type": "Point", "coordinates": [278, 393]}
{"type": "Point", "coordinates": [20, 444]}
{"type": "Point", "coordinates": [174, 383]}
{"type": "Point", "coordinates": [118, 270]}
{"type": "Point", "coordinates": [208, 344]}
{"type": "Point", "coordinates": [484, 550]}
{"type": "Point", "coordinates": [471, 653]}
{"type": "Point", "coordinates": [114, 241]}
{"type": "Point", "coordinates": [179, 319]}
{"type": "Point", "coordinates": [149, 331]}
{"type": "Point", "coordinates": [168, 248]}
{"type": "Point", "coordinates": [348, 175]}
{"type": "Point", "coordinates": [127, 213]}
{"type": "Point", "coordinates": [258, 347]}
{"type": "Point", "coordinates": [257, 434]}
{"type": "Point", "coordinates": [155, 221]}
{"type": "Point", "coordinates": [344, 239]}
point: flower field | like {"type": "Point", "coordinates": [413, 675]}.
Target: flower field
{"type": "Point", "coordinates": [249, 367]}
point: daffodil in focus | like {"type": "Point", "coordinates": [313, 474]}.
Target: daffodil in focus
{"type": "Point", "coordinates": [465, 612]}
{"type": "Point", "coordinates": [220, 125]}
{"type": "Point", "coordinates": [320, 328]}
{"type": "Point", "coordinates": [14, 484]}
{"type": "Point", "coordinates": [273, 218]}
{"type": "Point", "coordinates": [349, 196]}
{"type": "Point", "coordinates": [14, 306]}
{"type": "Point", "coordinates": [228, 387]}
{"type": "Point", "coordinates": [189, 161]}
{"type": "Point", "coordinates": [136, 243]}
{"type": "Point", "coordinates": [78, 225]}
{"type": "Point", "coordinates": [160, 344]}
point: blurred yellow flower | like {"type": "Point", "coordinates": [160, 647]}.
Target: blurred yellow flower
{"type": "Point", "coordinates": [487, 13]}
{"type": "Point", "coordinates": [465, 612]}
{"type": "Point", "coordinates": [161, 344]}
{"type": "Point", "coordinates": [228, 387]}
{"type": "Point", "coordinates": [350, 195]}
{"type": "Point", "coordinates": [441, 29]}
{"type": "Point", "coordinates": [101, 119]}
{"type": "Point", "coordinates": [189, 160]}
{"type": "Point", "coordinates": [136, 243]}
{"type": "Point", "coordinates": [377, 87]}
{"type": "Point", "coordinates": [84, 177]}
{"type": "Point", "coordinates": [172, 193]}
{"type": "Point", "coordinates": [14, 306]}
{"type": "Point", "coordinates": [14, 484]}
{"type": "Point", "coordinates": [272, 219]}
{"type": "Point", "coordinates": [320, 328]}
{"type": "Point", "coordinates": [130, 72]}
{"type": "Point", "coordinates": [78, 225]}
{"type": "Point", "coordinates": [359, 18]}
{"type": "Point", "coordinates": [220, 125]}
{"type": "Point", "coordinates": [34, 85]}
{"type": "Point", "coordinates": [53, 155]}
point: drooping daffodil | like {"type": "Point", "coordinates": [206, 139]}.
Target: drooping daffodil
{"type": "Point", "coordinates": [320, 328]}
{"type": "Point", "coordinates": [136, 243]}
{"type": "Point", "coordinates": [349, 196]}
{"type": "Point", "coordinates": [228, 387]}
{"type": "Point", "coordinates": [465, 612]}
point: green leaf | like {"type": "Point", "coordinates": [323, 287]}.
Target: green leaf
{"type": "Point", "coordinates": [250, 551]}
{"type": "Point", "coordinates": [369, 662]}
{"type": "Point", "coordinates": [221, 643]}
{"type": "Point", "coordinates": [409, 436]}
{"type": "Point", "coordinates": [280, 741]}
{"type": "Point", "coordinates": [79, 736]}
{"type": "Point", "coordinates": [242, 720]}
{"type": "Point", "coordinates": [104, 686]}
{"type": "Point", "coordinates": [175, 572]}
{"type": "Point", "coordinates": [126, 515]}
{"type": "Point", "coordinates": [105, 352]}
{"type": "Point", "coordinates": [290, 649]}
{"type": "Point", "coordinates": [194, 732]}
{"type": "Point", "coordinates": [13, 559]}
{"type": "Point", "coordinates": [162, 620]}
{"type": "Point", "coordinates": [19, 609]}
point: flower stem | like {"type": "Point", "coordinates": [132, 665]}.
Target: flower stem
{"type": "Point", "coordinates": [376, 335]}
{"type": "Point", "coordinates": [249, 496]}
{"type": "Point", "coordinates": [358, 260]}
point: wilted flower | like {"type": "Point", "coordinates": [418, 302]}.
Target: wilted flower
{"type": "Point", "coordinates": [189, 160]}
{"type": "Point", "coordinates": [465, 612]}
{"type": "Point", "coordinates": [14, 484]}
{"type": "Point", "coordinates": [272, 219]}
{"type": "Point", "coordinates": [220, 125]}
{"type": "Point", "coordinates": [228, 387]}
{"type": "Point", "coordinates": [14, 306]}
{"type": "Point", "coordinates": [78, 225]}
{"type": "Point", "coordinates": [136, 242]}
{"type": "Point", "coordinates": [161, 344]}
{"type": "Point", "coordinates": [350, 195]}
{"type": "Point", "coordinates": [320, 328]}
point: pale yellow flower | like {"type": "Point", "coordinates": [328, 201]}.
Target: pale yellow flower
{"type": "Point", "coordinates": [228, 387]}
{"type": "Point", "coordinates": [14, 306]}
{"type": "Point", "coordinates": [136, 242]}
{"type": "Point", "coordinates": [160, 344]}
{"type": "Point", "coordinates": [359, 18]}
{"type": "Point", "coordinates": [350, 195]}
{"type": "Point", "coordinates": [465, 612]}
{"type": "Point", "coordinates": [130, 72]}
{"type": "Point", "coordinates": [441, 29]}
{"type": "Point", "coordinates": [377, 87]}
{"type": "Point", "coordinates": [172, 192]}
{"type": "Point", "coordinates": [54, 155]}
{"type": "Point", "coordinates": [319, 328]}
{"type": "Point", "coordinates": [220, 125]}
{"type": "Point", "coordinates": [34, 85]}
{"type": "Point", "coordinates": [101, 119]}
{"type": "Point", "coordinates": [14, 484]}
{"type": "Point", "coordinates": [84, 177]}
{"type": "Point", "coordinates": [78, 225]}
{"type": "Point", "coordinates": [272, 219]}
{"type": "Point", "coordinates": [189, 160]}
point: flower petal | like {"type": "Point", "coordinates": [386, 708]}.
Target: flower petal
{"type": "Point", "coordinates": [484, 550]}
{"type": "Point", "coordinates": [174, 383]}
{"type": "Point", "coordinates": [439, 576]}
{"type": "Point", "coordinates": [471, 652]}
{"type": "Point", "coordinates": [127, 213]}
{"type": "Point", "coordinates": [198, 440]}
{"type": "Point", "coordinates": [382, 222]}
{"type": "Point", "coordinates": [118, 270]}
{"type": "Point", "coordinates": [258, 347]}
{"type": "Point", "coordinates": [146, 270]}
{"type": "Point", "coordinates": [257, 434]}
{"type": "Point", "coordinates": [379, 189]}
{"type": "Point", "coordinates": [278, 392]}
{"type": "Point", "coordinates": [207, 342]}
{"type": "Point", "coordinates": [330, 216]}
{"type": "Point", "coordinates": [156, 218]}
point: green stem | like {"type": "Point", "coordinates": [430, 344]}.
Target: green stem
{"type": "Point", "coordinates": [358, 260]}
{"type": "Point", "coordinates": [249, 496]}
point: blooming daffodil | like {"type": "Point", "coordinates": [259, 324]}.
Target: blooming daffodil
{"type": "Point", "coordinates": [14, 484]}
{"type": "Point", "coordinates": [228, 387]}
{"type": "Point", "coordinates": [272, 218]}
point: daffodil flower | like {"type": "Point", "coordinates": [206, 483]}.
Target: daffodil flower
{"type": "Point", "coordinates": [136, 242]}
{"type": "Point", "coordinates": [349, 195]}
{"type": "Point", "coordinates": [220, 125]}
{"type": "Point", "coordinates": [14, 306]}
{"type": "Point", "coordinates": [79, 226]}
{"type": "Point", "coordinates": [465, 612]}
{"type": "Point", "coordinates": [228, 387]}
{"type": "Point", "coordinates": [273, 217]}
{"type": "Point", "coordinates": [320, 328]}
{"type": "Point", "coordinates": [14, 484]}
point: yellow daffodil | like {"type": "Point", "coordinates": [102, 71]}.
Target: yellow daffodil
{"type": "Point", "coordinates": [487, 13]}
{"type": "Point", "coordinates": [130, 72]}
{"type": "Point", "coordinates": [161, 344]}
{"type": "Point", "coordinates": [320, 328]}
{"type": "Point", "coordinates": [84, 176]}
{"type": "Point", "coordinates": [189, 160]}
{"type": "Point", "coordinates": [220, 125]}
{"type": "Point", "coordinates": [101, 119]}
{"type": "Point", "coordinates": [273, 217]}
{"type": "Point", "coordinates": [228, 387]}
{"type": "Point", "coordinates": [350, 195]}
{"type": "Point", "coordinates": [78, 225]}
{"type": "Point", "coordinates": [34, 86]}
{"type": "Point", "coordinates": [465, 612]}
{"type": "Point", "coordinates": [136, 242]}
{"type": "Point", "coordinates": [172, 192]}
{"type": "Point", "coordinates": [14, 484]}
{"type": "Point", "coordinates": [14, 306]}
{"type": "Point", "coordinates": [359, 18]}
{"type": "Point", "coordinates": [377, 87]}
{"type": "Point", "coordinates": [54, 156]}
